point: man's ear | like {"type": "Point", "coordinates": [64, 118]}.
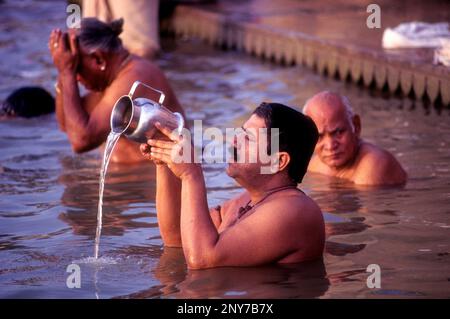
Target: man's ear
{"type": "Point", "coordinates": [283, 160]}
{"type": "Point", "coordinates": [100, 59]}
{"type": "Point", "coordinates": [356, 120]}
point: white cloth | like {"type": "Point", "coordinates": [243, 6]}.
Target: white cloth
{"type": "Point", "coordinates": [442, 55]}
{"type": "Point", "coordinates": [416, 35]}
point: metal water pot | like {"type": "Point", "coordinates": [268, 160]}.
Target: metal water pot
{"type": "Point", "coordinates": [136, 118]}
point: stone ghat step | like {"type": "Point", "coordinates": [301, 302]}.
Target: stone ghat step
{"type": "Point", "coordinates": [326, 57]}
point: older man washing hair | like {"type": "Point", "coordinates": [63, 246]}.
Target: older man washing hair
{"type": "Point", "coordinates": [94, 56]}
{"type": "Point", "coordinates": [341, 152]}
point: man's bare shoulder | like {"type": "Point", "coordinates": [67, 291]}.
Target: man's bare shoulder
{"type": "Point", "coordinates": [137, 70]}
{"type": "Point", "coordinates": [378, 166]}
{"type": "Point", "coordinates": [151, 74]}
{"type": "Point", "coordinates": [143, 69]}
{"type": "Point", "coordinates": [291, 207]}
{"type": "Point", "coordinates": [294, 219]}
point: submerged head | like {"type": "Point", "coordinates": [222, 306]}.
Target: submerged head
{"type": "Point", "coordinates": [28, 102]}
{"type": "Point", "coordinates": [295, 135]}
{"type": "Point", "coordinates": [339, 128]}
{"type": "Point", "coordinates": [99, 44]}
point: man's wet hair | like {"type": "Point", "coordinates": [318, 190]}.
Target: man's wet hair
{"type": "Point", "coordinates": [298, 135]}
{"type": "Point", "coordinates": [97, 35]}
{"type": "Point", "coordinates": [28, 102]}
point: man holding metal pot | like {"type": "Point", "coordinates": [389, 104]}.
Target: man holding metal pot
{"type": "Point", "coordinates": [271, 221]}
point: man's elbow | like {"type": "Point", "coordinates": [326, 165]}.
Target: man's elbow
{"type": "Point", "coordinates": [81, 146]}
{"type": "Point", "coordinates": [78, 150]}
{"type": "Point", "coordinates": [201, 262]}
{"type": "Point", "coordinates": [195, 263]}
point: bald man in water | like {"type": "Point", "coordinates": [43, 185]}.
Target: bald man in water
{"type": "Point", "coordinates": [341, 152]}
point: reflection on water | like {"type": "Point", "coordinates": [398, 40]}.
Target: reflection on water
{"type": "Point", "coordinates": [129, 195]}
{"type": "Point", "coordinates": [49, 195]}
{"type": "Point", "coordinates": [306, 280]}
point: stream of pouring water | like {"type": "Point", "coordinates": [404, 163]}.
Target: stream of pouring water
{"type": "Point", "coordinates": [110, 144]}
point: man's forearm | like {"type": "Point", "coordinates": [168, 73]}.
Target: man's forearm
{"type": "Point", "coordinates": [198, 233]}
{"type": "Point", "coordinates": [76, 119]}
{"type": "Point", "coordinates": [59, 109]}
{"type": "Point", "coordinates": [168, 206]}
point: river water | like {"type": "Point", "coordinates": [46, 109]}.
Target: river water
{"type": "Point", "coordinates": [49, 196]}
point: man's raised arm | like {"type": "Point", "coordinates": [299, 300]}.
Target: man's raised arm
{"type": "Point", "coordinates": [168, 189]}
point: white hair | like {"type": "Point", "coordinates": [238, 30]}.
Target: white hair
{"type": "Point", "coordinates": [345, 102]}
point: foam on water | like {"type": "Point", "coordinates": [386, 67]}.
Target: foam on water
{"type": "Point", "coordinates": [97, 261]}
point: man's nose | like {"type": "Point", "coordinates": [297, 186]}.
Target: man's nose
{"type": "Point", "coordinates": [331, 143]}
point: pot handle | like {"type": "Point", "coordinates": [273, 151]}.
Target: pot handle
{"type": "Point", "coordinates": [137, 83]}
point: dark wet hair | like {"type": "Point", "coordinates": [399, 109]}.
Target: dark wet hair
{"type": "Point", "coordinates": [28, 102]}
{"type": "Point", "coordinates": [298, 135]}
{"type": "Point", "coordinates": [97, 35]}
